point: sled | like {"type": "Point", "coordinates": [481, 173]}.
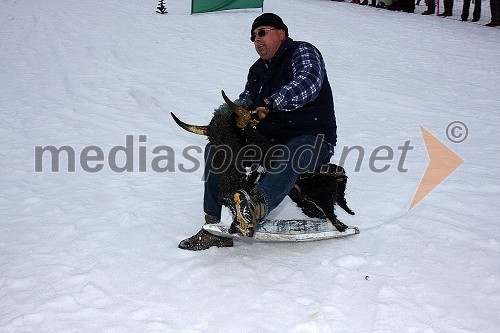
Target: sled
{"type": "Point", "coordinates": [301, 230]}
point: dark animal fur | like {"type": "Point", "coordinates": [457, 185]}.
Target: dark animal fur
{"type": "Point", "coordinates": [223, 133]}
{"type": "Point", "coordinates": [315, 193]}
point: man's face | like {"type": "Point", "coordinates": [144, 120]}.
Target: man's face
{"type": "Point", "coordinates": [267, 45]}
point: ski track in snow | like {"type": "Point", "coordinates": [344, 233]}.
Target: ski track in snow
{"type": "Point", "coordinates": [97, 251]}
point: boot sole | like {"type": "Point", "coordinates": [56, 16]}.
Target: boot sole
{"type": "Point", "coordinates": [244, 227]}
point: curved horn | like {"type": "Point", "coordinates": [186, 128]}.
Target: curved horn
{"type": "Point", "coordinates": [201, 130]}
{"type": "Point", "coordinates": [243, 116]}
{"type": "Point", "coordinates": [228, 101]}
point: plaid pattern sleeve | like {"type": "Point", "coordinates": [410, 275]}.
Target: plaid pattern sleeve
{"type": "Point", "coordinates": [308, 72]}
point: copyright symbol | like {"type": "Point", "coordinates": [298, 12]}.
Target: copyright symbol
{"type": "Point", "coordinates": [457, 132]}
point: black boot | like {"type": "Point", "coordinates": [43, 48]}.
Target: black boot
{"type": "Point", "coordinates": [428, 12]}
{"type": "Point", "coordinates": [204, 240]}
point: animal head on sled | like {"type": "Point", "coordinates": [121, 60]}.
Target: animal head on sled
{"type": "Point", "coordinates": [230, 124]}
{"type": "Point", "coordinates": [231, 127]}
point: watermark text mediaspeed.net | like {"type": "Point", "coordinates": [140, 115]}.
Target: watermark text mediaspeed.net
{"type": "Point", "coordinates": [136, 156]}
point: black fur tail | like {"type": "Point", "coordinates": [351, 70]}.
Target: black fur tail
{"type": "Point", "coordinates": [317, 193]}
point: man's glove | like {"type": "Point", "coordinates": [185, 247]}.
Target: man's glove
{"type": "Point", "coordinates": [257, 115]}
{"type": "Point", "coordinates": [259, 111]}
{"type": "Point", "coordinates": [265, 102]}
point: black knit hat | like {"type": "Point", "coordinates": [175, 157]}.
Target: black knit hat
{"type": "Point", "coordinates": [271, 20]}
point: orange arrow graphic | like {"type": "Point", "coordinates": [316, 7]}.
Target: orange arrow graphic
{"type": "Point", "coordinates": [442, 163]}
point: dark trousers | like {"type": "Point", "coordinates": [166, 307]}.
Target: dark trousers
{"type": "Point", "coordinates": [476, 15]}
{"type": "Point", "coordinates": [448, 7]}
{"type": "Point", "coordinates": [495, 11]}
{"type": "Point", "coordinates": [407, 5]}
{"type": "Point", "coordinates": [431, 6]}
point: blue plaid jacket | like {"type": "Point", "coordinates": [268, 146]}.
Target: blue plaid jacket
{"type": "Point", "coordinates": [296, 82]}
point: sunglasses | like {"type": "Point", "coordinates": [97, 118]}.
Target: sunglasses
{"type": "Point", "coordinates": [260, 33]}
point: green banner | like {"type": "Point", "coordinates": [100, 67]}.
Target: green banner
{"type": "Point", "coordinates": [204, 6]}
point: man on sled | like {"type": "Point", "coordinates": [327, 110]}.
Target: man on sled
{"type": "Point", "coordinates": [290, 104]}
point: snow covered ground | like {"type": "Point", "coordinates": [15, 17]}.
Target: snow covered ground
{"type": "Point", "coordinates": [96, 250]}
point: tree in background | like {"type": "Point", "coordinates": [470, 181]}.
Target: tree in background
{"type": "Point", "coordinates": [161, 8]}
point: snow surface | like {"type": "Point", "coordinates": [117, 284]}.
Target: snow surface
{"type": "Point", "coordinates": [97, 251]}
